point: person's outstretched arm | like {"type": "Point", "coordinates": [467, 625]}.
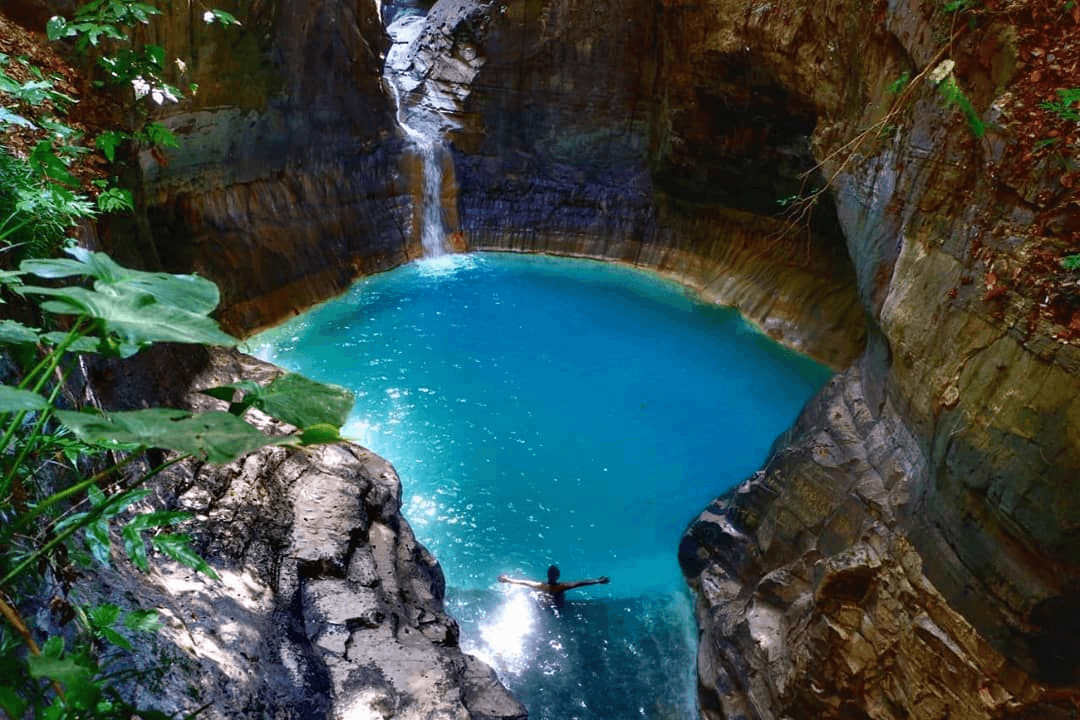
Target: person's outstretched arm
{"type": "Point", "coordinates": [602, 580]}
{"type": "Point", "coordinates": [517, 581]}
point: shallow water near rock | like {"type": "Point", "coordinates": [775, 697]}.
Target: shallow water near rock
{"type": "Point", "coordinates": [543, 410]}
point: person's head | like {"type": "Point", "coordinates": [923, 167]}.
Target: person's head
{"type": "Point", "coordinates": [553, 574]}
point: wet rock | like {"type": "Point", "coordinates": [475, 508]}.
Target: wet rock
{"type": "Point", "coordinates": [326, 605]}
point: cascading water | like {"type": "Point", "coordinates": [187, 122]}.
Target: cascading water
{"type": "Point", "coordinates": [423, 126]}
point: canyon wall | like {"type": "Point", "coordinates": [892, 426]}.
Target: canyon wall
{"type": "Point", "coordinates": [288, 182]}
{"type": "Point", "coordinates": [910, 550]}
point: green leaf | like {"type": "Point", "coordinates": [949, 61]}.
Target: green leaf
{"type": "Point", "coordinates": [115, 199]}
{"type": "Point", "coordinates": [53, 647]}
{"type": "Point", "coordinates": [98, 541]}
{"type": "Point", "coordinates": [44, 160]}
{"type": "Point", "coordinates": [135, 547]}
{"type": "Point", "coordinates": [108, 141]}
{"type": "Point", "coordinates": [158, 134]}
{"type": "Point", "coordinates": [135, 316]}
{"type": "Point", "coordinates": [81, 345]}
{"type": "Point", "coordinates": [115, 638]}
{"type": "Point", "coordinates": [9, 118]}
{"type": "Point", "coordinates": [58, 28]}
{"type": "Point", "coordinates": [303, 402]}
{"type": "Point", "coordinates": [13, 333]}
{"type": "Point", "coordinates": [320, 435]}
{"type": "Point", "coordinates": [143, 621]}
{"type": "Point", "coordinates": [155, 54]}
{"type": "Point", "coordinates": [291, 398]}
{"type": "Point", "coordinates": [159, 518]}
{"type": "Point", "coordinates": [178, 547]}
{"type": "Point", "coordinates": [10, 701]}
{"type": "Point", "coordinates": [189, 292]}
{"type": "Point", "coordinates": [11, 278]}
{"type": "Point", "coordinates": [64, 670]}
{"type": "Point", "coordinates": [215, 15]}
{"type": "Point", "coordinates": [104, 615]}
{"type": "Point", "coordinates": [15, 400]}
{"type": "Point", "coordinates": [217, 437]}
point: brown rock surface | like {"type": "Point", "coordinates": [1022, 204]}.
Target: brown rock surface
{"type": "Point", "coordinates": [911, 550]}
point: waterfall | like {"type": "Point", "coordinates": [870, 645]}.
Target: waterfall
{"type": "Point", "coordinates": [423, 126]}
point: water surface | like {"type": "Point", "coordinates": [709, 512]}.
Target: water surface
{"type": "Point", "coordinates": [544, 410]}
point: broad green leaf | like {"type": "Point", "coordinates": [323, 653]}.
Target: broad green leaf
{"type": "Point", "coordinates": [99, 542]}
{"type": "Point", "coordinates": [115, 638]}
{"type": "Point", "coordinates": [104, 615]}
{"type": "Point", "coordinates": [135, 316]}
{"type": "Point", "coordinates": [135, 548]}
{"type": "Point", "coordinates": [303, 402]}
{"type": "Point", "coordinates": [188, 292]}
{"type": "Point", "coordinates": [217, 437]}
{"type": "Point", "coordinates": [90, 264]}
{"type": "Point", "coordinates": [13, 333]}
{"type": "Point", "coordinates": [142, 428]}
{"type": "Point", "coordinates": [143, 621]}
{"type": "Point", "coordinates": [178, 547]}
{"type": "Point", "coordinates": [320, 435]}
{"type": "Point", "coordinates": [11, 278]}
{"type": "Point", "coordinates": [15, 400]}
{"type": "Point", "coordinates": [108, 141]}
{"type": "Point", "coordinates": [81, 345]}
{"type": "Point", "coordinates": [9, 118]}
{"type": "Point", "coordinates": [64, 670]}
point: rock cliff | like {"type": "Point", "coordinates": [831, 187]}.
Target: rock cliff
{"type": "Point", "coordinates": [326, 604]}
{"type": "Point", "coordinates": [288, 181]}
{"type": "Point", "coordinates": [909, 550]}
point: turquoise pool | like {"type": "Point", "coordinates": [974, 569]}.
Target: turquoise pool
{"type": "Point", "coordinates": [543, 410]}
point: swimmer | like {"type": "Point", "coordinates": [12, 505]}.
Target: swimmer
{"type": "Point", "coordinates": [554, 589]}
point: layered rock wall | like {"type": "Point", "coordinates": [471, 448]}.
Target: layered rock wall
{"type": "Point", "coordinates": [287, 183]}
{"type": "Point", "coordinates": [908, 550]}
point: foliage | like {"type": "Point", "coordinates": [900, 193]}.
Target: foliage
{"type": "Point", "coordinates": [941, 76]}
{"type": "Point", "coordinates": [897, 85]}
{"type": "Point", "coordinates": [72, 480]}
{"type": "Point", "coordinates": [1065, 107]}
{"type": "Point", "coordinates": [1071, 262]}
{"type": "Point", "coordinates": [39, 196]}
{"type": "Point", "coordinates": [58, 510]}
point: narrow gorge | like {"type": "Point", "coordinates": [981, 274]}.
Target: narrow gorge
{"type": "Point", "coordinates": [882, 186]}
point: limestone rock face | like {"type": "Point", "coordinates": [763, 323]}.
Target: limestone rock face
{"type": "Point", "coordinates": [581, 136]}
{"type": "Point", "coordinates": [286, 184]}
{"type": "Point", "coordinates": [326, 605]}
{"type": "Point", "coordinates": [909, 550]}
